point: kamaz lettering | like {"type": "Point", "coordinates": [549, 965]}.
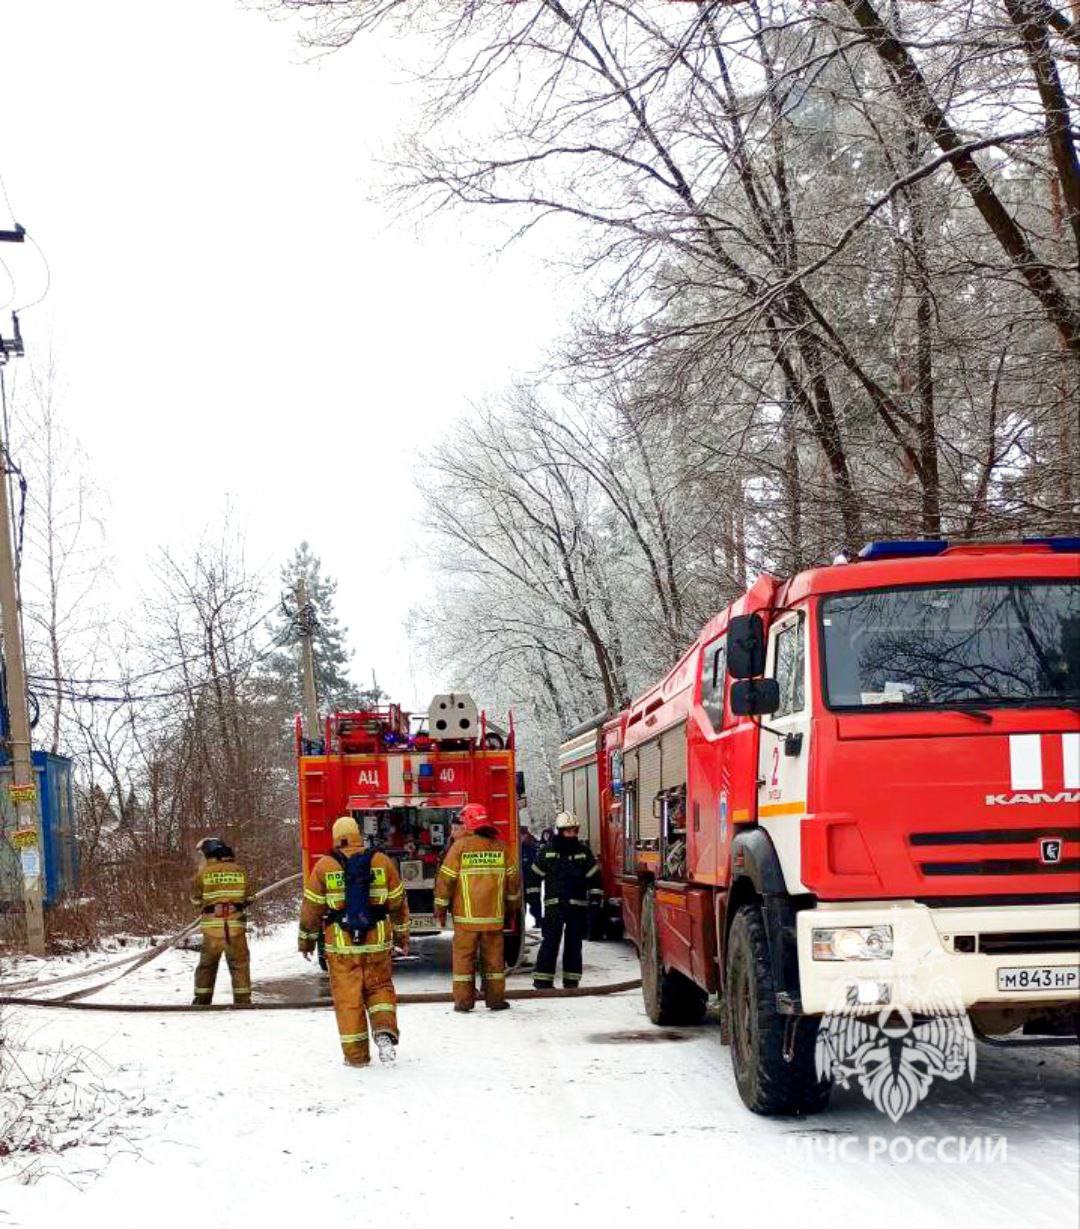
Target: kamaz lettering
{"type": "Point", "coordinates": [1071, 797]}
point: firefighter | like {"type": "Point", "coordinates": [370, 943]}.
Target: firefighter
{"type": "Point", "coordinates": [529, 849]}
{"type": "Point", "coordinates": [360, 964]}
{"type": "Point", "coordinates": [221, 892]}
{"type": "Point", "coordinates": [568, 874]}
{"type": "Point", "coordinates": [480, 886]}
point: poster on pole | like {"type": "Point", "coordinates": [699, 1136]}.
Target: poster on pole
{"type": "Point", "coordinates": [22, 793]}
{"type": "Point", "coordinates": [30, 859]}
{"type": "Point", "coordinates": [24, 838]}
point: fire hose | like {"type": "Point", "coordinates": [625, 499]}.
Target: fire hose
{"type": "Point", "coordinates": [71, 1001]}
{"type": "Point", "coordinates": [434, 996]}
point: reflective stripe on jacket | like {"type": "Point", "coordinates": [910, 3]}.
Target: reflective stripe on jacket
{"type": "Point", "coordinates": [568, 874]}
{"type": "Point", "coordinates": [221, 892]}
{"type": "Point", "coordinates": [477, 882]}
{"type": "Point", "coordinates": [325, 890]}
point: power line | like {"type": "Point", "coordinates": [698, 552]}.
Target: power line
{"type": "Point", "coordinates": [158, 670]}
{"type": "Point", "coordinates": [63, 693]}
{"type": "Point", "coordinates": [48, 276]}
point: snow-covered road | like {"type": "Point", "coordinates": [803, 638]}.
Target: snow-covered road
{"type": "Point", "coordinates": [553, 1114]}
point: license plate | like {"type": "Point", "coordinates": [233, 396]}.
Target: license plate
{"type": "Point", "coordinates": [1046, 977]}
{"type": "Point", "coordinates": [422, 921]}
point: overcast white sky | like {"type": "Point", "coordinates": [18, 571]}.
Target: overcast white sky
{"type": "Point", "coordinates": [236, 320]}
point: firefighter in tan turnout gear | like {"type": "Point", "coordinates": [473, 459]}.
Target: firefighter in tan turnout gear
{"type": "Point", "coordinates": [221, 892]}
{"type": "Point", "coordinates": [355, 897]}
{"type": "Point", "coordinates": [479, 885]}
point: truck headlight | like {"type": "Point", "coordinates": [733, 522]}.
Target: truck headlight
{"type": "Point", "coordinates": [852, 942]}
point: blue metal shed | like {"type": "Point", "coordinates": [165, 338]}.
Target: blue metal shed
{"type": "Point", "coordinates": [60, 859]}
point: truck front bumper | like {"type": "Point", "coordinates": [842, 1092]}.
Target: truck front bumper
{"type": "Point", "coordinates": [942, 955]}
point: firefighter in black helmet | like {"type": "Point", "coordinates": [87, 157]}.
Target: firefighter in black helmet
{"type": "Point", "coordinates": [567, 874]}
{"type": "Point", "coordinates": [221, 892]}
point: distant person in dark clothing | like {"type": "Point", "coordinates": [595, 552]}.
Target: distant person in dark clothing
{"type": "Point", "coordinates": [529, 849]}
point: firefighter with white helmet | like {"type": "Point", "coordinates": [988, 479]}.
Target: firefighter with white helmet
{"type": "Point", "coordinates": [480, 887]}
{"type": "Point", "coordinates": [221, 892]}
{"type": "Point", "coordinates": [354, 896]}
{"type": "Point", "coordinates": [567, 874]}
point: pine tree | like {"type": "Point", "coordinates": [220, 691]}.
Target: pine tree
{"type": "Point", "coordinates": [333, 686]}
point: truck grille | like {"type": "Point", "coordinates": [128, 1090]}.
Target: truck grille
{"type": "Point", "coordinates": [1002, 866]}
{"type": "Point", "coordinates": [993, 836]}
{"type": "Point", "coordinates": [1028, 942]}
{"type": "Point", "coordinates": [982, 838]}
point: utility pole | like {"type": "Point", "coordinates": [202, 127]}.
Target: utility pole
{"type": "Point", "coordinates": [305, 620]}
{"type": "Point", "coordinates": [23, 787]}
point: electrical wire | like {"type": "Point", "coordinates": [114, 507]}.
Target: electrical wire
{"type": "Point", "coordinates": [23, 307]}
{"type": "Point", "coordinates": [130, 680]}
{"type": "Point", "coordinates": [60, 692]}
{"type": "Point", "coordinates": [37, 247]}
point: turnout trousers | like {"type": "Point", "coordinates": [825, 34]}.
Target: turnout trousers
{"type": "Point", "coordinates": [232, 944]}
{"type": "Point", "coordinates": [566, 923]}
{"type": "Point", "coordinates": [362, 986]}
{"type": "Point", "coordinates": [469, 948]}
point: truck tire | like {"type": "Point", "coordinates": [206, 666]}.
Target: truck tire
{"type": "Point", "coordinates": [767, 1082]}
{"type": "Point", "coordinates": [670, 997]}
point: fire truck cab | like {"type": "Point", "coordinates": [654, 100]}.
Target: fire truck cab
{"type": "Point", "coordinates": [861, 787]}
{"type": "Point", "coordinates": [404, 780]}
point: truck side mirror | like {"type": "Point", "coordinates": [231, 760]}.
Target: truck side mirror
{"type": "Point", "coordinates": [746, 646]}
{"type": "Point", "coordinates": [755, 697]}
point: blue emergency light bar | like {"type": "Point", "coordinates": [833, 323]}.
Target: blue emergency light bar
{"type": "Point", "coordinates": [910, 548]}
{"type": "Point", "coordinates": [1055, 544]}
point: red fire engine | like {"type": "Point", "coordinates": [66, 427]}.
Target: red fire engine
{"type": "Point", "coordinates": [403, 779]}
{"type": "Point", "coordinates": [585, 764]}
{"type": "Point", "coordinates": [859, 785]}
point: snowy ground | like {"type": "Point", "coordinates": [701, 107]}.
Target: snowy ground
{"type": "Point", "coordinates": [551, 1114]}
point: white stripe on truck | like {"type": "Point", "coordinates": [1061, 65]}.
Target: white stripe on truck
{"type": "Point", "coordinates": [1070, 751]}
{"type": "Point", "coordinates": [1025, 761]}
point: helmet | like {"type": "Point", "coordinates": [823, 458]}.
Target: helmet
{"type": "Point", "coordinates": [213, 847]}
{"type": "Point", "coordinates": [566, 819]}
{"type": "Point", "coordinates": [346, 831]}
{"type": "Point", "coordinates": [474, 816]}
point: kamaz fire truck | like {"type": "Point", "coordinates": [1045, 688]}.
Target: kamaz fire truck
{"type": "Point", "coordinates": [586, 760]}
{"type": "Point", "coordinates": [403, 780]}
{"type": "Point", "coordinates": [860, 786]}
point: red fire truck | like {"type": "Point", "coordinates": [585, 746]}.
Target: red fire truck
{"type": "Point", "coordinates": [856, 786]}
{"type": "Point", "coordinates": [403, 780]}
{"type": "Point", "coordinates": [586, 760]}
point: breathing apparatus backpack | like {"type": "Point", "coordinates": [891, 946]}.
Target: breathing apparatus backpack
{"type": "Point", "coordinates": [359, 914]}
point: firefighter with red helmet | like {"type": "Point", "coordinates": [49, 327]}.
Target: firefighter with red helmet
{"type": "Point", "coordinates": [355, 897]}
{"type": "Point", "coordinates": [479, 885]}
{"type": "Point", "coordinates": [567, 873]}
{"type": "Point", "coordinates": [221, 892]}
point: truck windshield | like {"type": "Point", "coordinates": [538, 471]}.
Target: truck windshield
{"type": "Point", "coordinates": [1011, 643]}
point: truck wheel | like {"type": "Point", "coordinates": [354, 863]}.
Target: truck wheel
{"type": "Point", "coordinates": [767, 1082]}
{"type": "Point", "coordinates": [670, 997]}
